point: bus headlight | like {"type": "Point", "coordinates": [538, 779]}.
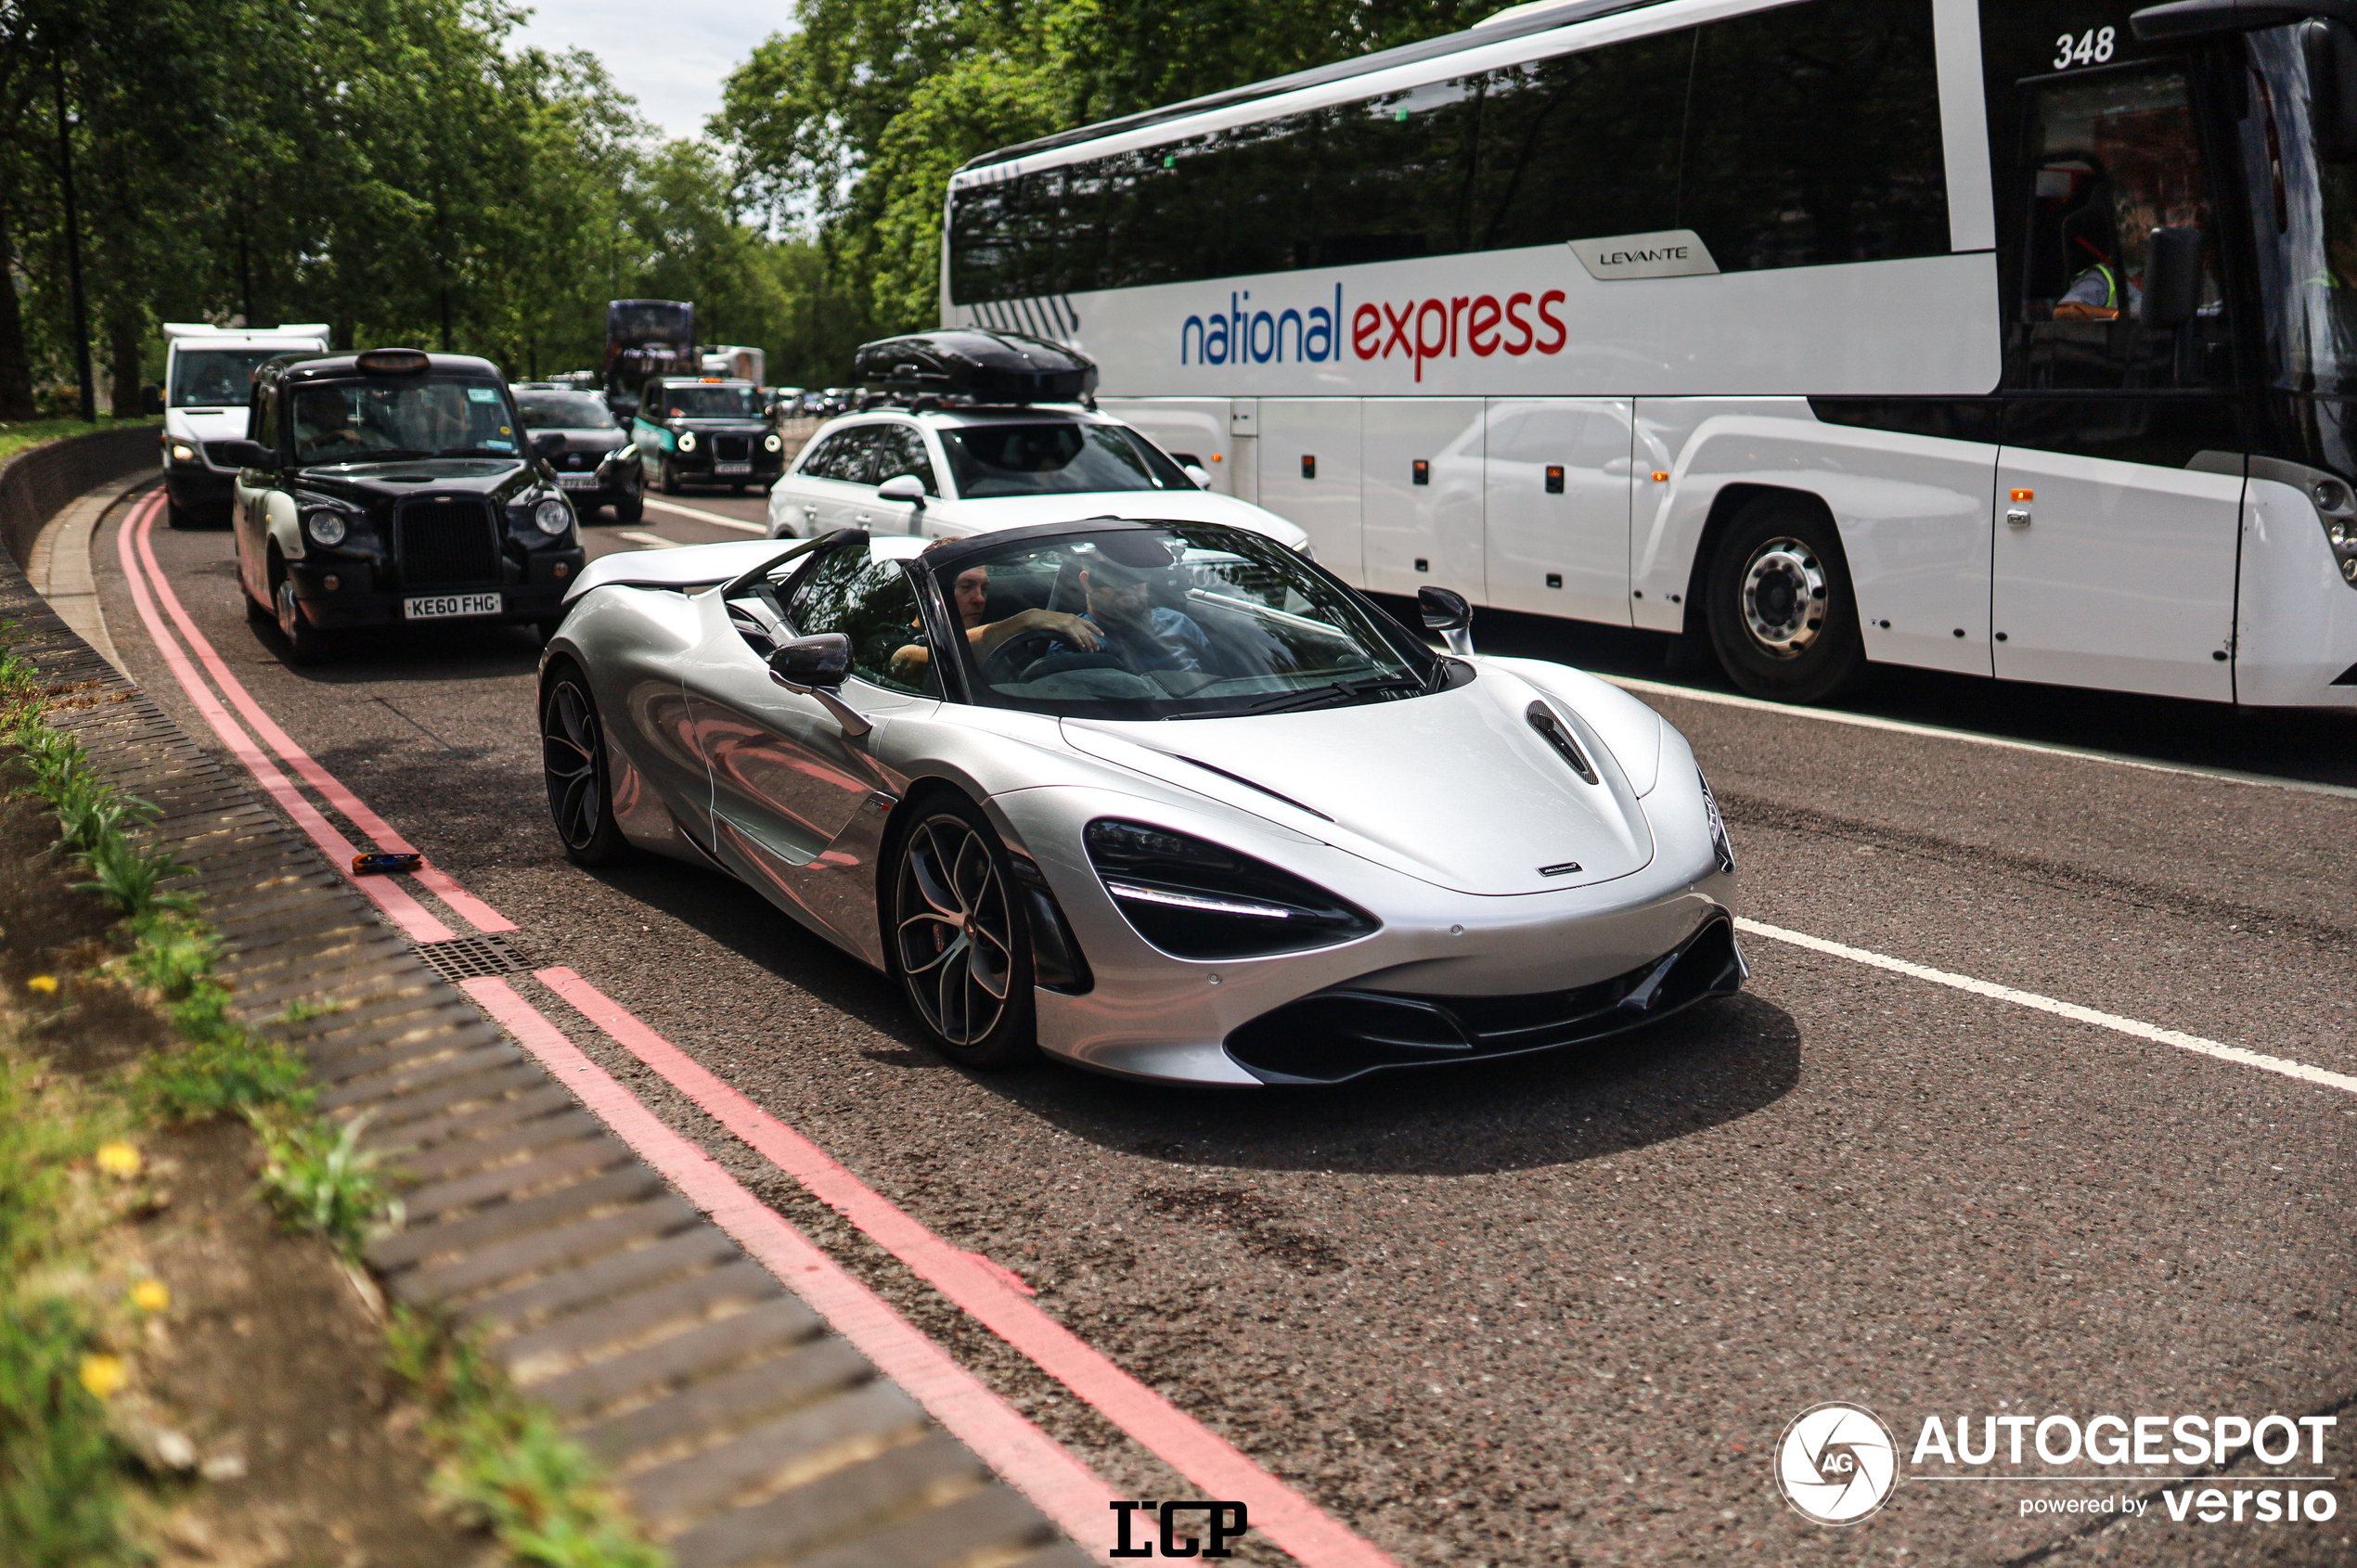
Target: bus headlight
{"type": "Point", "coordinates": [552, 517]}
{"type": "Point", "coordinates": [687, 441]}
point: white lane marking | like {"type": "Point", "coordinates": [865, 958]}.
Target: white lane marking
{"type": "Point", "coordinates": [651, 541]}
{"type": "Point", "coordinates": [1939, 732]}
{"type": "Point", "coordinates": [716, 519]}
{"type": "Point", "coordinates": [2072, 1010]}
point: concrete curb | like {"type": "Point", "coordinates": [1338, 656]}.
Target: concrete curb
{"type": "Point", "coordinates": [742, 1430]}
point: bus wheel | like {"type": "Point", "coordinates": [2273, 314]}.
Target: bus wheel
{"type": "Point", "coordinates": [1782, 615]}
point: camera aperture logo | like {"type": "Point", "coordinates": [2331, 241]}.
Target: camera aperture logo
{"type": "Point", "coordinates": [1836, 1463]}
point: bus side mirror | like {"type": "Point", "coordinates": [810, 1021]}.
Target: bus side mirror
{"type": "Point", "coordinates": [2331, 49]}
{"type": "Point", "coordinates": [2172, 277]}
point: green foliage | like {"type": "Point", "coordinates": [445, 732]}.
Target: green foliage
{"type": "Point", "coordinates": [59, 1501]}
{"type": "Point", "coordinates": [318, 1177]}
{"type": "Point", "coordinates": [505, 1463]}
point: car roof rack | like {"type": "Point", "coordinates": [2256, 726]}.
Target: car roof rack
{"type": "Point", "coordinates": [973, 367]}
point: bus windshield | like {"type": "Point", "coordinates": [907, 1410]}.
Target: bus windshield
{"type": "Point", "coordinates": [2304, 213]}
{"type": "Point", "coordinates": [216, 378]}
{"type": "Point", "coordinates": [1178, 621]}
{"type": "Point", "coordinates": [709, 403]}
{"type": "Point", "coordinates": [1064, 458]}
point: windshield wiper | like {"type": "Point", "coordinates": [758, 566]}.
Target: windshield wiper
{"type": "Point", "coordinates": [1335, 692]}
{"type": "Point", "coordinates": [472, 452]}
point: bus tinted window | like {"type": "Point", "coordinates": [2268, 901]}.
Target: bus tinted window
{"type": "Point", "coordinates": [1802, 134]}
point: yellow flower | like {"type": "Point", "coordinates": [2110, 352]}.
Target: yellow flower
{"type": "Point", "coordinates": [150, 1296]}
{"type": "Point", "coordinates": [44, 983]}
{"type": "Point", "coordinates": [102, 1374]}
{"type": "Point", "coordinates": [118, 1160]}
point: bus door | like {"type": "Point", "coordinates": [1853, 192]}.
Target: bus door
{"type": "Point", "coordinates": [2119, 488]}
{"type": "Point", "coordinates": [1309, 473]}
{"type": "Point", "coordinates": [1555, 519]}
{"type": "Point", "coordinates": [1424, 489]}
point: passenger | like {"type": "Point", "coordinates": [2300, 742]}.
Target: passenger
{"type": "Point", "coordinates": [970, 594]}
{"type": "Point", "coordinates": [1141, 634]}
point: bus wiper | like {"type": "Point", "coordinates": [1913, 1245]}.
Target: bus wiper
{"type": "Point", "coordinates": [1335, 692]}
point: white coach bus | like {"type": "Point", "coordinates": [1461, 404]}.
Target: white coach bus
{"type": "Point", "coordinates": [2007, 337]}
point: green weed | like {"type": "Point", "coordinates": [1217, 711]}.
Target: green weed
{"type": "Point", "coordinates": [319, 1179]}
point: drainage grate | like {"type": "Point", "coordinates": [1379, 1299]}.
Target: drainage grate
{"type": "Point", "coordinates": [471, 957]}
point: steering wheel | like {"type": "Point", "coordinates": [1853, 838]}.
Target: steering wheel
{"type": "Point", "coordinates": [1005, 664]}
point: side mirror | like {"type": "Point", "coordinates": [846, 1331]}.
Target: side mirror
{"type": "Point", "coordinates": [2172, 277]}
{"type": "Point", "coordinates": [1201, 475]}
{"type": "Point", "coordinates": [548, 444]}
{"type": "Point", "coordinates": [807, 663]}
{"type": "Point", "coordinates": [2331, 49]}
{"type": "Point", "coordinates": [244, 455]}
{"type": "Point", "coordinates": [905, 488]}
{"type": "Point", "coordinates": [1450, 613]}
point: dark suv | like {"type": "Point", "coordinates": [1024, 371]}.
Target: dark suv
{"type": "Point", "coordinates": [598, 466]}
{"type": "Point", "coordinates": [705, 430]}
{"type": "Point", "coordinates": [396, 485]}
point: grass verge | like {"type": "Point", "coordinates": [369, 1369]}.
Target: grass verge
{"type": "Point", "coordinates": [65, 1170]}
{"type": "Point", "coordinates": [24, 433]}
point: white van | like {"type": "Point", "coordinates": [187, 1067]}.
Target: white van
{"type": "Point", "coordinates": [208, 375]}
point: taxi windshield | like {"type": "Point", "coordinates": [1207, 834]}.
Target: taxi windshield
{"type": "Point", "coordinates": [562, 411]}
{"type": "Point", "coordinates": [1064, 458]}
{"type": "Point", "coordinates": [693, 402]}
{"type": "Point", "coordinates": [379, 418]}
{"type": "Point", "coordinates": [1176, 621]}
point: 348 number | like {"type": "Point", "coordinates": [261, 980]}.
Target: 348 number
{"type": "Point", "coordinates": [2091, 47]}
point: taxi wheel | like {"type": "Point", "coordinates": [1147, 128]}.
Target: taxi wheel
{"type": "Point", "coordinates": [669, 482]}
{"type": "Point", "coordinates": [306, 643]}
{"type": "Point", "coordinates": [629, 506]}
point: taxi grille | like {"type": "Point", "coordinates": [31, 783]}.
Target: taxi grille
{"type": "Point", "coordinates": [447, 542]}
{"type": "Point", "coordinates": [730, 448]}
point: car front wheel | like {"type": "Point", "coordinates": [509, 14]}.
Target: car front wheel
{"type": "Point", "coordinates": [306, 643]}
{"type": "Point", "coordinates": [955, 937]}
{"type": "Point", "coordinates": [572, 756]}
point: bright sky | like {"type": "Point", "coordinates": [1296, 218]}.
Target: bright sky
{"type": "Point", "coordinates": [671, 58]}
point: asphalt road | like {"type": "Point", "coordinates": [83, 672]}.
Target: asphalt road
{"type": "Point", "coordinates": [1559, 1311]}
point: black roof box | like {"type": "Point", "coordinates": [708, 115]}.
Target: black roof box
{"type": "Point", "coordinates": [970, 365]}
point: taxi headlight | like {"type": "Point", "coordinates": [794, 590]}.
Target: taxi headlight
{"type": "Point", "coordinates": [771, 444]}
{"type": "Point", "coordinates": [552, 516]}
{"type": "Point", "coordinates": [687, 441]}
{"type": "Point", "coordinates": [325, 525]}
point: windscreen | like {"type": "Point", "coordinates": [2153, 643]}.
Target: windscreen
{"type": "Point", "coordinates": [384, 417]}
{"type": "Point", "coordinates": [693, 402]}
{"type": "Point", "coordinates": [216, 378]}
{"type": "Point", "coordinates": [563, 411]}
{"type": "Point", "coordinates": [1175, 621]}
{"type": "Point", "coordinates": [1063, 458]}
{"type": "Point", "coordinates": [650, 321]}
{"type": "Point", "coordinates": [2304, 213]}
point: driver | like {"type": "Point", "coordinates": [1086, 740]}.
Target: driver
{"type": "Point", "coordinates": [971, 593]}
{"type": "Point", "coordinates": [326, 425]}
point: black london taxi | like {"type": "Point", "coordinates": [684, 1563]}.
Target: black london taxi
{"type": "Point", "coordinates": [395, 486]}
{"type": "Point", "coordinates": [705, 430]}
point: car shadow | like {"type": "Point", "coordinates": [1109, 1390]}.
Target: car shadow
{"type": "Point", "coordinates": [402, 653]}
{"type": "Point", "coordinates": [1715, 1063]}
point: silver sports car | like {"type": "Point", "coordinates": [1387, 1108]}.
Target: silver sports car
{"type": "Point", "coordinates": [1161, 798]}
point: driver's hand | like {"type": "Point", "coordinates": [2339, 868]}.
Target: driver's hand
{"type": "Point", "coordinates": [1073, 626]}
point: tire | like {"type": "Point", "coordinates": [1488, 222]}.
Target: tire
{"type": "Point", "coordinates": [573, 757]}
{"type": "Point", "coordinates": [306, 643]}
{"type": "Point", "coordinates": [667, 478]}
{"type": "Point", "coordinates": [256, 611]}
{"type": "Point", "coordinates": [630, 506]}
{"type": "Point", "coordinates": [177, 516]}
{"type": "Point", "coordinates": [949, 899]}
{"type": "Point", "coordinates": [1782, 618]}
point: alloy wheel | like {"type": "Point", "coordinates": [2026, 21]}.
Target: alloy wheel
{"type": "Point", "coordinates": [1784, 596]}
{"type": "Point", "coordinates": [955, 940]}
{"type": "Point", "coordinates": [570, 757]}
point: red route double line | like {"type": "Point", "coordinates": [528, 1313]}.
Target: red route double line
{"type": "Point", "coordinates": [1063, 1489]}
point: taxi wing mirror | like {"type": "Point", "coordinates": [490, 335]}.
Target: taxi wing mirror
{"type": "Point", "coordinates": [244, 455]}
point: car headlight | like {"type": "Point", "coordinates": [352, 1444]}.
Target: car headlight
{"type": "Point", "coordinates": [1720, 848]}
{"type": "Point", "coordinates": [687, 441]}
{"type": "Point", "coordinates": [771, 444]}
{"type": "Point", "coordinates": [552, 517]}
{"type": "Point", "coordinates": [1194, 899]}
{"type": "Point", "coordinates": [182, 453]}
{"type": "Point", "coordinates": [325, 525]}
{"type": "Point", "coordinates": [2336, 508]}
